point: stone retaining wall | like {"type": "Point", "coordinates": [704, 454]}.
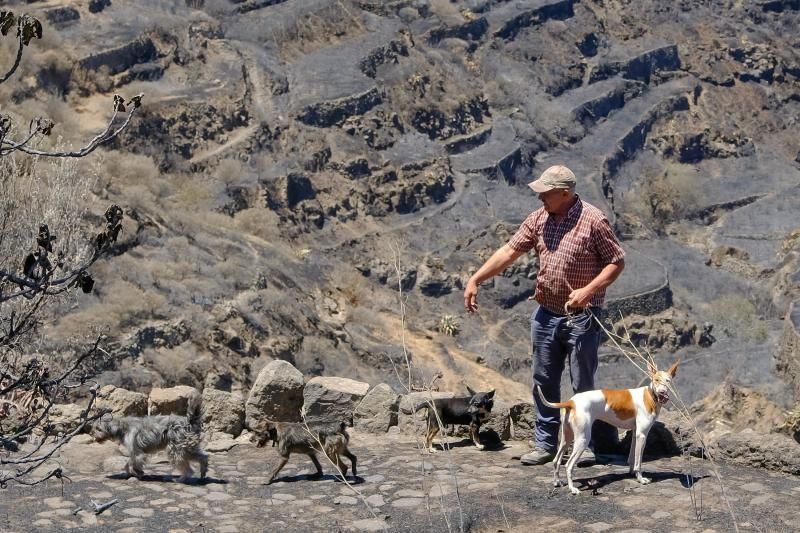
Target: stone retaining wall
{"type": "Point", "coordinates": [787, 358]}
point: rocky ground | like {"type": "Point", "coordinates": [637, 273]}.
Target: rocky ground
{"type": "Point", "coordinates": [399, 488]}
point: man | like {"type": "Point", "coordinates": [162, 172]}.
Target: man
{"type": "Point", "coordinates": [579, 257]}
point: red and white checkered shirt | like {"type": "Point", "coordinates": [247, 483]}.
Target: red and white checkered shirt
{"type": "Point", "coordinates": [571, 252]}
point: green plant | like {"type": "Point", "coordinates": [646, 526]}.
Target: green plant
{"type": "Point", "coordinates": [449, 325]}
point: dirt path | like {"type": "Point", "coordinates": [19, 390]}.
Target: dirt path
{"type": "Point", "coordinates": [399, 489]}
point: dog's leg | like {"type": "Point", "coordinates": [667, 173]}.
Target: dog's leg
{"type": "Point", "coordinates": [632, 453]}
{"type": "Point", "coordinates": [135, 466]}
{"type": "Point", "coordinates": [433, 429]}
{"type": "Point", "coordinates": [473, 432]}
{"type": "Point", "coordinates": [281, 464]}
{"type": "Point", "coordinates": [352, 461]}
{"type": "Point", "coordinates": [318, 466]}
{"type": "Point", "coordinates": [183, 466]}
{"type": "Point", "coordinates": [583, 432]}
{"type": "Point", "coordinates": [565, 438]}
{"type": "Point", "coordinates": [641, 439]}
{"type": "Point", "coordinates": [337, 459]}
{"type": "Point", "coordinates": [202, 458]}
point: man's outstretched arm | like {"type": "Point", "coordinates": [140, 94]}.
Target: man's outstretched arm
{"type": "Point", "coordinates": [499, 261]}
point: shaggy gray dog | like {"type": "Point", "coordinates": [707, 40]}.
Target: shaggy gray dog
{"type": "Point", "coordinates": [179, 435]}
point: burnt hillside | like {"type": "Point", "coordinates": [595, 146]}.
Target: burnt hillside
{"type": "Point", "coordinates": [300, 165]}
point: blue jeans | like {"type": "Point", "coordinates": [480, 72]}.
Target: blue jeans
{"type": "Point", "coordinates": [556, 338]}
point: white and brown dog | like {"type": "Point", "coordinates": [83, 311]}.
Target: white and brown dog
{"type": "Point", "coordinates": [625, 408]}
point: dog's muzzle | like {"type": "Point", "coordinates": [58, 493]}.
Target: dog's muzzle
{"type": "Point", "coordinates": [662, 397]}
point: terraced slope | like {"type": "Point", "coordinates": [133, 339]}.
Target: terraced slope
{"type": "Point", "coordinates": [301, 163]}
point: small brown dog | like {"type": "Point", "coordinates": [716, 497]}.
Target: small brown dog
{"type": "Point", "coordinates": [297, 437]}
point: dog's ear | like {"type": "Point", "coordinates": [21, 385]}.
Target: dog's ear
{"type": "Point", "coordinates": [651, 369]}
{"type": "Point", "coordinates": [490, 394]}
{"type": "Point", "coordinates": [674, 368]}
{"type": "Point", "coordinates": [470, 391]}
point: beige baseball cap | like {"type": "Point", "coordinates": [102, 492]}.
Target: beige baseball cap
{"type": "Point", "coordinates": [555, 177]}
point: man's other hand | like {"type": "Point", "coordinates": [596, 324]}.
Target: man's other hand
{"type": "Point", "coordinates": [470, 297]}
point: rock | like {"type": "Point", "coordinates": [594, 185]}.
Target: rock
{"type": "Point", "coordinates": [96, 6]}
{"type": "Point", "coordinates": [171, 401]}
{"type": "Point", "coordinates": [498, 425]}
{"type": "Point", "coordinates": [61, 15]}
{"type": "Point", "coordinates": [277, 395]}
{"type": "Point", "coordinates": [738, 408]}
{"type": "Point", "coordinates": [223, 411]}
{"type": "Point", "coordinates": [523, 420]}
{"type": "Point", "coordinates": [63, 418]}
{"type": "Point", "coordinates": [377, 412]}
{"type": "Point", "coordinates": [332, 398]}
{"type": "Point", "coordinates": [774, 451]}
{"type": "Point", "coordinates": [122, 402]}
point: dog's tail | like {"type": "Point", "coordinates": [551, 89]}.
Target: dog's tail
{"type": "Point", "coordinates": [558, 405]}
{"type": "Point", "coordinates": [194, 411]}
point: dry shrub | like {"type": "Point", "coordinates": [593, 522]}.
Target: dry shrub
{"type": "Point", "coordinates": [231, 171]}
{"type": "Point", "coordinates": [124, 305]}
{"type": "Point", "coordinates": [314, 30]}
{"type": "Point", "coordinates": [261, 222]}
{"type": "Point", "coordinates": [129, 169]}
{"type": "Point", "coordinates": [191, 193]}
{"type": "Point", "coordinates": [737, 317]}
{"type": "Point", "coordinates": [661, 193]}
{"type": "Point", "coordinates": [353, 287]}
{"type": "Point", "coordinates": [180, 365]}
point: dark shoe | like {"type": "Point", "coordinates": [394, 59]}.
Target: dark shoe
{"type": "Point", "coordinates": [537, 457]}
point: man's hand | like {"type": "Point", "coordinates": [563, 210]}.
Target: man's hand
{"type": "Point", "coordinates": [470, 296]}
{"type": "Point", "coordinates": [580, 298]}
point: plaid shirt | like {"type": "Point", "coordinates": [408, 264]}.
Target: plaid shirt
{"type": "Point", "coordinates": [571, 252]}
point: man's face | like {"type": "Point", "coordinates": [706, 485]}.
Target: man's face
{"type": "Point", "coordinates": [556, 201]}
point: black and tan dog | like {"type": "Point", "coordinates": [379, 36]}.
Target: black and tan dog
{"type": "Point", "coordinates": [470, 410]}
{"type": "Point", "coordinates": [297, 437]}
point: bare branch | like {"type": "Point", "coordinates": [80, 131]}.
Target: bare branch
{"type": "Point", "coordinates": [106, 135]}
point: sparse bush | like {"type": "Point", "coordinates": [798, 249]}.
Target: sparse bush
{"type": "Point", "coordinates": [792, 423]}
{"type": "Point", "coordinates": [737, 317]}
{"type": "Point", "coordinates": [44, 254]}
{"type": "Point", "coordinates": [449, 325]}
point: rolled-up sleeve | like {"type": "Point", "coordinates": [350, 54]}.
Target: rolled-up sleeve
{"type": "Point", "coordinates": [525, 238]}
{"type": "Point", "coordinates": [606, 244]}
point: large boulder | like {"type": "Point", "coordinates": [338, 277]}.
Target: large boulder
{"type": "Point", "coordinates": [523, 420]}
{"type": "Point", "coordinates": [63, 418]}
{"type": "Point", "coordinates": [773, 452]}
{"type": "Point", "coordinates": [377, 412]}
{"type": "Point", "coordinates": [499, 421]}
{"type": "Point", "coordinates": [121, 402]}
{"type": "Point", "coordinates": [170, 401]}
{"type": "Point", "coordinates": [223, 411]}
{"type": "Point", "coordinates": [332, 399]}
{"type": "Point", "coordinates": [277, 394]}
